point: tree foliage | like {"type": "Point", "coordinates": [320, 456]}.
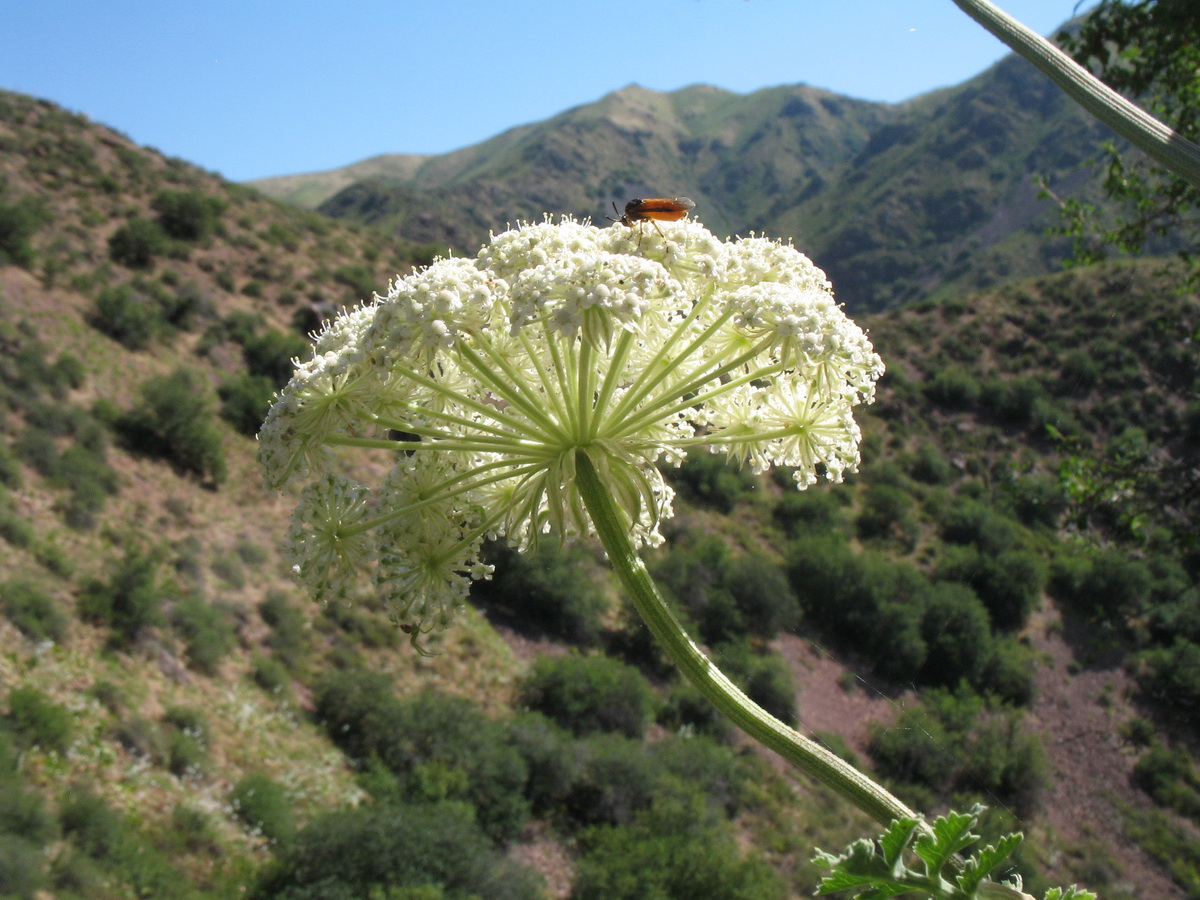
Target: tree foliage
{"type": "Point", "coordinates": [1148, 50]}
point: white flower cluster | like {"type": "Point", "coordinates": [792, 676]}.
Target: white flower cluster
{"type": "Point", "coordinates": [486, 378]}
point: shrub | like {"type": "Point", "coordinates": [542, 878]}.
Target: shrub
{"type": "Point", "coordinates": [271, 675]}
{"type": "Point", "coordinates": [971, 522]}
{"type": "Point", "coordinates": [551, 758]}
{"type": "Point", "coordinates": [402, 849]}
{"type": "Point", "coordinates": [886, 513]}
{"type": "Point", "coordinates": [672, 851]}
{"type": "Point", "coordinates": [22, 862]}
{"type": "Point", "coordinates": [173, 421]}
{"type": "Point", "coordinates": [37, 721]}
{"type": "Point", "coordinates": [800, 513]}
{"type": "Point", "coordinates": [547, 591]}
{"type": "Point", "coordinates": [929, 466]}
{"type": "Point", "coordinates": [205, 630]}
{"type": "Point", "coordinates": [20, 221]}
{"type": "Point", "coordinates": [617, 777]}
{"type": "Point", "coordinates": [1168, 776]}
{"type": "Point", "coordinates": [953, 388]}
{"type": "Point", "coordinates": [127, 601]}
{"type": "Point", "coordinates": [438, 747]}
{"type": "Point", "coordinates": [289, 630]}
{"type": "Point", "coordinates": [727, 595]}
{"type": "Point", "coordinates": [270, 354]}
{"type": "Point", "coordinates": [586, 694]}
{"type": "Point", "coordinates": [187, 215]}
{"type": "Point", "coordinates": [128, 315]}
{"type": "Point", "coordinates": [136, 243]}
{"type": "Point", "coordinates": [1008, 673]}
{"type": "Point", "coordinates": [709, 479]}
{"type": "Point", "coordinates": [33, 611]}
{"type": "Point", "coordinates": [957, 635]}
{"type": "Point", "coordinates": [686, 709]}
{"type": "Point", "coordinates": [262, 804]}
{"type": "Point", "coordinates": [245, 400]}
{"type": "Point", "coordinates": [1171, 675]}
{"type": "Point", "coordinates": [1009, 584]}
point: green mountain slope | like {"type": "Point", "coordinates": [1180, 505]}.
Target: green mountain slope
{"type": "Point", "coordinates": [176, 720]}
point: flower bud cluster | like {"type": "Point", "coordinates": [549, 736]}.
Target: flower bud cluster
{"type": "Point", "coordinates": [483, 379]}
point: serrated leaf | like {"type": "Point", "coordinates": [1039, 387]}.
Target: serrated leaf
{"type": "Point", "coordinates": [951, 833]}
{"type": "Point", "coordinates": [986, 860]}
{"type": "Point", "coordinates": [1071, 893]}
{"type": "Point", "coordinates": [896, 839]}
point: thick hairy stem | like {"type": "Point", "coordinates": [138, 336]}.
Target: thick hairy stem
{"type": "Point", "coordinates": [613, 527]}
{"type": "Point", "coordinates": [1136, 125]}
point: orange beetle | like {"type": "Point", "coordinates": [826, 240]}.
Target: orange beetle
{"type": "Point", "coordinates": [664, 209]}
{"type": "Point", "coordinates": [654, 210]}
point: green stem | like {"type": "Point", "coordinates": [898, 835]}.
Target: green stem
{"type": "Point", "coordinates": [1137, 126]}
{"type": "Point", "coordinates": [613, 528]}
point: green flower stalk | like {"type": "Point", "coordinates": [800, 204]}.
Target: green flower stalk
{"type": "Point", "coordinates": [535, 391]}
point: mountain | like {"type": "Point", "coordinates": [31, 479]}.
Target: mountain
{"type": "Point", "coordinates": [975, 615]}
{"type": "Point", "coordinates": [896, 202]}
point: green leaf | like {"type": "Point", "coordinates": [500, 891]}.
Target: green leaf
{"type": "Point", "coordinates": [951, 833]}
{"type": "Point", "coordinates": [987, 860]}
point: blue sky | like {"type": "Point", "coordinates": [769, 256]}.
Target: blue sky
{"type": "Point", "coordinates": [251, 88]}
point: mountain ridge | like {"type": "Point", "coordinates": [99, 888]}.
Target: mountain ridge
{"type": "Point", "coordinates": [897, 201]}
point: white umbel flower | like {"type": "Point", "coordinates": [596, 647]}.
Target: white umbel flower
{"type": "Point", "coordinates": [488, 377]}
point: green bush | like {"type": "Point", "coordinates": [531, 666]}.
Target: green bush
{"type": "Point", "coordinates": [957, 635]}
{"type": "Point", "coordinates": [671, 851]}
{"type": "Point", "coordinates": [547, 591]}
{"type": "Point", "coordinates": [263, 805]}
{"type": "Point", "coordinates": [206, 631]}
{"type": "Point", "coordinates": [289, 629]}
{"type": "Point", "coordinates": [970, 522]}
{"type": "Point", "coordinates": [586, 694]}
{"type": "Point", "coordinates": [136, 243]}
{"type": "Point", "coordinates": [953, 388]}
{"type": "Point", "coordinates": [33, 611]}
{"type": "Point", "coordinates": [127, 601]}
{"type": "Point", "coordinates": [20, 221]}
{"type": "Point", "coordinates": [438, 747]}
{"type": "Point", "coordinates": [1009, 584]}
{"type": "Point", "coordinates": [1105, 584]}
{"type": "Point", "coordinates": [174, 421]}
{"type": "Point", "coordinates": [617, 777]}
{"type": "Point", "coordinates": [187, 215]}
{"type": "Point", "coordinates": [1171, 675]}
{"type": "Point", "coordinates": [130, 315]}
{"type": "Point", "coordinates": [886, 513]}
{"type": "Point", "coordinates": [800, 513]}
{"type": "Point", "coordinates": [270, 354]}
{"type": "Point", "coordinates": [22, 862]}
{"type": "Point", "coordinates": [104, 838]}
{"type": "Point", "coordinates": [687, 709]}
{"type": "Point", "coordinates": [709, 479]}
{"type": "Point", "coordinates": [37, 721]}
{"type": "Point", "coordinates": [551, 757]}
{"type": "Point", "coordinates": [245, 400]}
{"type": "Point", "coordinates": [1169, 777]}
{"type": "Point", "coordinates": [929, 466]}
{"type": "Point", "coordinates": [728, 596]}
{"type": "Point", "coordinates": [271, 675]}
{"type": "Point", "coordinates": [1008, 673]}
{"type": "Point", "coordinates": [421, 851]}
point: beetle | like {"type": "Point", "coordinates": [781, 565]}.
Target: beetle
{"type": "Point", "coordinates": [653, 210]}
